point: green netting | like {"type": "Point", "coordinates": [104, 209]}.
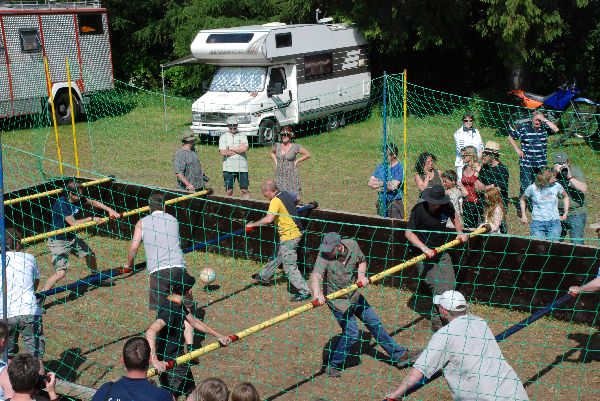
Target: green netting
{"type": "Point", "coordinates": [128, 134]}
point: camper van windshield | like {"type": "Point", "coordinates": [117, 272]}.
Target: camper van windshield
{"type": "Point", "coordinates": [239, 79]}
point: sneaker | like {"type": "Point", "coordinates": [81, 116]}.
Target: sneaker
{"type": "Point", "coordinates": [333, 372]}
{"type": "Point", "coordinates": [408, 358]}
{"type": "Point", "coordinates": [257, 279]}
{"type": "Point", "coordinates": [300, 297]}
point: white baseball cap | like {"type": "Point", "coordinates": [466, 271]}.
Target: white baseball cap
{"type": "Point", "coordinates": [451, 300]}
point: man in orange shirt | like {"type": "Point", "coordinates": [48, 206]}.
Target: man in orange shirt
{"type": "Point", "coordinates": [282, 211]}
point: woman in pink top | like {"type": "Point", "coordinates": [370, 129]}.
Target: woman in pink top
{"type": "Point", "coordinates": [472, 205]}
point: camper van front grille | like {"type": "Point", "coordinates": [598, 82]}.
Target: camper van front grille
{"type": "Point", "coordinates": [212, 118]}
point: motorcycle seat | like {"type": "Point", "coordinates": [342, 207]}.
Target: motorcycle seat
{"type": "Point", "coordinates": [539, 98]}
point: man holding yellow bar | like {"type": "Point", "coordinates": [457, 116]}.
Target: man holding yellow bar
{"type": "Point", "coordinates": [65, 212]}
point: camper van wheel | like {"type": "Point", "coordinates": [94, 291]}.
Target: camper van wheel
{"type": "Point", "coordinates": [268, 131]}
{"type": "Point", "coordinates": [334, 121]}
{"type": "Point", "coordinates": [62, 108]}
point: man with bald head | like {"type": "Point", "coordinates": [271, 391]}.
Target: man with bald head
{"type": "Point", "coordinates": [282, 212]}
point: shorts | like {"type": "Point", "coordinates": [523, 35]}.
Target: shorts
{"type": "Point", "coordinates": [179, 380]}
{"type": "Point", "coordinates": [60, 250]}
{"type": "Point", "coordinates": [229, 177]}
{"type": "Point", "coordinates": [31, 329]}
{"type": "Point", "coordinates": [160, 288]}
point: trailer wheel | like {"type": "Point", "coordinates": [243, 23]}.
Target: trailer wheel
{"type": "Point", "coordinates": [334, 121]}
{"type": "Point", "coordinates": [268, 131]}
{"type": "Point", "coordinates": [62, 108]}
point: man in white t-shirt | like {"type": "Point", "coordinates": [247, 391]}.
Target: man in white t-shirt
{"type": "Point", "coordinates": [467, 352]}
{"type": "Point", "coordinates": [24, 313]}
{"type": "Point", "coordinates": [233, 146]}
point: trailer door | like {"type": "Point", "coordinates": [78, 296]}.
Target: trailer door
{"type": "Point", "coordinates": [281, 95]}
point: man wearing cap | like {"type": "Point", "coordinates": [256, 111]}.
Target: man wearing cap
{"type": "Point", "coordinates": [494, 174]}
{"type": "Point", "coordinates": [343, 264]}
{"type": "Point", "coordinates": [233, 146]}
{"type": "Point", "coordinates": [66, 212]}
{"type": "Point", "coordinates": [392, 173]}
{"type": "Point", "coordinates": [573, 181]}
{"type": "Point", "coordinates": [469, 356]}
{"type": "Point", "coordinates": [282, 211]}
{"type": "Point", "coordinates": [532, 153]}
{"type": "Point", "coordinates": [426, 230]}
{"type": "Point", "coordinates": [187, 164]}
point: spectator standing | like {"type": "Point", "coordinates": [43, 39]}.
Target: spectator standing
{"type": "Point", "coordinates": [494, 212]}
{"type": "Point", "coordinates": [66, 212]}
{"type": "Point", "coordinates": [24, 312]}
{"type": "Point", "coordinates": [211, 389]}
{"type": "Point", "coordinates": [494, 173]}
{"type": "Point", "coordinates": [187, 164]}
{"type": "Point", "coordinates": [426, 230]}
{"type": "Point", "coordinates": [282, 211]}
{"type": "Point", "coordinates": [427, 174]}
{"type": "Point", "coordinates": [532, 153]}
{"type": "Point", "coordinates": [543, 195]}
{"type": "Point", "coordinates": [454, 193]}
{"type": "Point", "coordinates": [472, 206]}
{"type": "Point", "coordinates": [466, 350]}
{"type": "Point", "coordinates": [342, 263]}
{"type": "Point", "coordinates": [284, 154]}
{"type": "Point", "coordinates": [573, 181]}
{"type": "Point", "coordinates": [134, 385]}
{"type": "Point", "coordinates": [392, 173]}
{"type": "Point", "coordinates": [24, 375]}
{"type": "Point", "coordinates": [166, 337]}
{"type": "Point", "coordinates": [467, 135]}
{"type": "Point", "coordinates": [233, 146]}
{"type": "Point", "coordinates": [245, 392]}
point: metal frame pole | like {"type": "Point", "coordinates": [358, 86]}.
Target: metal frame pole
{"type": "Point", "coordinates": [384, 148]}
{"type": "Point", "coordinates": [3, 247]}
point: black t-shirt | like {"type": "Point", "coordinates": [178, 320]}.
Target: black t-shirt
{"type": "Point", "coordinates": [423, 219]}
{"type": "Point", "coordinates": [498, 176]}
{"type": "Point", "coordinates": [170, 340]}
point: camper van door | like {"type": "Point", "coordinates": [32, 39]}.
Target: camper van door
{"type": "Point", "coordinates": [280, 91]}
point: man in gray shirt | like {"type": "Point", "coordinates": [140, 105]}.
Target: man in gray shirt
{"type": "Point", "coordinates": [467, 352]}
{"type": "Point", "coordinates": [187, 164]}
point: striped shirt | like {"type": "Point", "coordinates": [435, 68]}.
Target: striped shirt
{"type": "Point", "coordinates": [534, 142]}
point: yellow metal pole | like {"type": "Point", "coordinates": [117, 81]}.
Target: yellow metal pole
{"type": "Point", "coordinates": [304, 308]}
{"type": "Point", "coordinates": [103, 220]}
{"type": "Point", "coordinates": [54, 192]}
{"type": "Point", "coordinates": [51, 97]}
{"type": "Point", "coordinates": [404, 118]}
{"type": "Point", "coordinates": [73, 129]}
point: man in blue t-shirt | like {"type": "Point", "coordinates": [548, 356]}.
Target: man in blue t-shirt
{"type": "Point", "coordinates": [390, 174]}
{"type": "Point", "coordinates": [134, 386]}
{"type": "Point", "coordinates": [532, 153]}
{"type": "Point", "coordinates": [66, 212]}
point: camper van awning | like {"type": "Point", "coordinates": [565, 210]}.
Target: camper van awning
{"type": "Point", "coordinates": [187, 60]}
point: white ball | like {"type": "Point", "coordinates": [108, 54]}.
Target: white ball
{"type": "Point", "coordinates": [208, 275]}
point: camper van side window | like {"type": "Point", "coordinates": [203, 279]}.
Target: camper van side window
{"type": "Point", "coordinates": [318, 65]}
{"type": "Point", "coordinates": [229, 38]}
{"type": "Point", "coordinates": [29, 40]}
{"type": "Point", "coordinates": [90, 24]}
{"type": "Point", "coordinates": [283, 40]}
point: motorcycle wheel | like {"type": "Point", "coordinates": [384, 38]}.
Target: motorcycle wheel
{"type": "Point", "coordinates": [581, 120]}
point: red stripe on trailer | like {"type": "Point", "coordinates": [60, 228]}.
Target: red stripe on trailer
{"type": "Point", "coordinates": [79, 81]}
{"type": "Point", "coordinates": [50, 11]}
{"type": "Point", "coordinates": [10, 84]}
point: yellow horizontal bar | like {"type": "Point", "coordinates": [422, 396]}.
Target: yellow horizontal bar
{"type": "Point", "coordinates": [54, 191]}
{"type": "Point", "coordinates": [304, 308]}
{"type": "Point", "coordinates": [103, 220]}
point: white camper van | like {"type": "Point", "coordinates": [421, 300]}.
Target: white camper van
{"type": "Point", "coordinates": [277, 74]}
{"type": "Point", "coordinates": [55, 29]}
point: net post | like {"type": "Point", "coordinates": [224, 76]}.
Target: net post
{"type": "Point", "coordinates": [404, 129]}
{"type": "Point", "coordinates": [384, 206]}
{"type": "Point", "coordinates": [3, 248]}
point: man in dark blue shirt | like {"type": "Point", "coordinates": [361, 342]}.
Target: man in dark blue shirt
{"type": "Point", "coordinates": [66, 212]}
{"type": "Point", "coordinates": [134, 386]}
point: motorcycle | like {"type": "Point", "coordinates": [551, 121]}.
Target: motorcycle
{"type": "Point", "coordinates": [577, 116]}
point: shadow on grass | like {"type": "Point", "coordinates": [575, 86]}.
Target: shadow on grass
{"type": "Point", "coordinates": [67, 366]}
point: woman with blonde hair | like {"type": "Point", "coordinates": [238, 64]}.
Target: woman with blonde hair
{"type": "Point", "coordinates": [543, 195]}
{"type": "Point", "coordinates": [493, 212]}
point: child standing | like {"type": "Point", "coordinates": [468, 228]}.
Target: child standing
{"type": "Point", "coordinates": [494, 213]}
{"type": "Point", "coordinates": [449, 179]}
{"type": "Point", "coordinates": [166, 337]}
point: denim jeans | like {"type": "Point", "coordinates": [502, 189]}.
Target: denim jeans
{"type": "Point", "coordinates": [549, 230]}
{"type": "Point", "coordinates": [575, 223]}
{"type": "Point", "coordinates": [362, 310]}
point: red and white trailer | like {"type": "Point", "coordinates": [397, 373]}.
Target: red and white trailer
{"type": "Point", "coordinates": [55, 29]}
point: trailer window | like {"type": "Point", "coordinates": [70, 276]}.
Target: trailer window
{"type": "Point", "coordinates": [283, 40]}
{"type": "Point", "coordinates": [229, 38]}
{"type": "Point", "coordinates": [318, 65]}
{"type": "Point", "coordinates": [29, 40]}
{"type": "Point", "coordinates": [90, 24]}
{"type": "Point", "coordinates": [239, 79]}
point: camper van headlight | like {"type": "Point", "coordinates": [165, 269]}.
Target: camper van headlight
{"type": "Point", "coordinates": [197, 117]}
{"type": "Point", "coordinates": [244, 119]}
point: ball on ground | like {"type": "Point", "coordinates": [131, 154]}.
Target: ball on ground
{"type": "Point", "coordinates": [208, 275]}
